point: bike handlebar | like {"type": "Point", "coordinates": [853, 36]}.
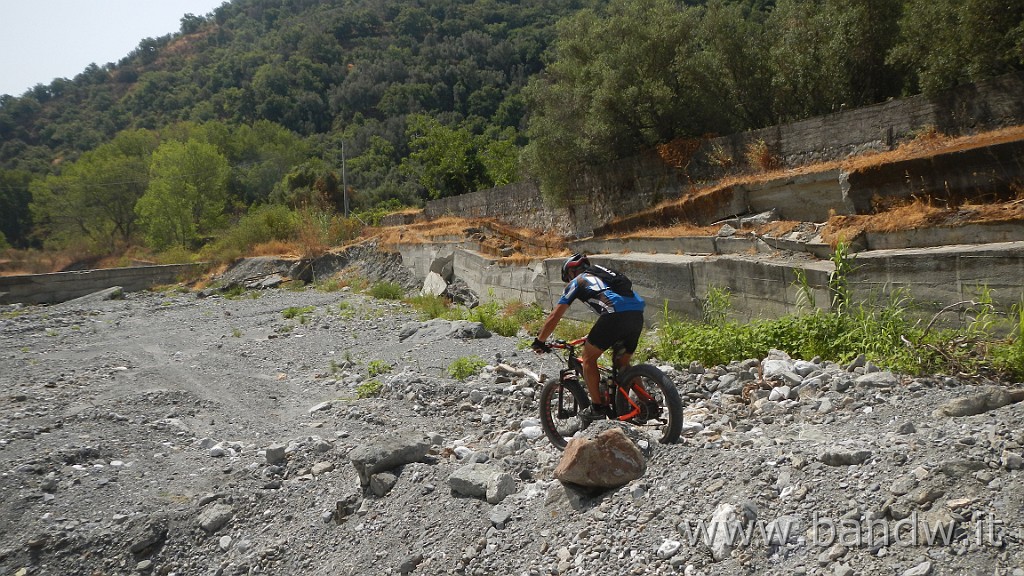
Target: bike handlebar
{"type": "Point", "coordinates": [564, 345]}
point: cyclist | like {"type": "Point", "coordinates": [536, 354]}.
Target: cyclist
{"type": "Point", "coordinates": [621, 319]}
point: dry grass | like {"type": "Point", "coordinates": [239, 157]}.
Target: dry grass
{"type": "Point", "coordinates": [918, 214]}
{"type": "Point", "coordinates": [277, 248]}
{"type": "Point", "coordinates": [492, 237]}
{"type": "Point", "coordinates": [904, 216]}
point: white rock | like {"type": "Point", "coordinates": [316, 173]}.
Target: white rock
{"type": "Point", "coordinates": [668, 549]}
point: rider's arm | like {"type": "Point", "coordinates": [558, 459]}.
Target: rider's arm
{"type": "Point", "coordinates": [552, 322]}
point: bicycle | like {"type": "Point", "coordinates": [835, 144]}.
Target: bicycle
{"type": "Point", "coordinates": [642, 395]}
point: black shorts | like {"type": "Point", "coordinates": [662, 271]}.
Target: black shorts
{"type": "Point", "coordinates": [622, 327]}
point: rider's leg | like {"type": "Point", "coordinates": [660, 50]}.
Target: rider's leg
{"type": "Point", "coordinates": [621, 360]}
{"type": "Point", "coordinates": [591, 373]}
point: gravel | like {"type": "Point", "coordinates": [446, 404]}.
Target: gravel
{"type": "Point", "coordinates": [168, 433]}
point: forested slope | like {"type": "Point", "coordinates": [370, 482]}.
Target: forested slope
{"type": "Point", "coordinates": [375, 104]}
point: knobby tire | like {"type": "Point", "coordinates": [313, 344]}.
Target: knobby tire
{"type": "Point", "coordinates": [658, 399]}
{"type": "Point", "coordinates": [560, 405]}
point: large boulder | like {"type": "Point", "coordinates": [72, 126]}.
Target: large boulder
{"type": "Point", "coordinates": [608, 459]}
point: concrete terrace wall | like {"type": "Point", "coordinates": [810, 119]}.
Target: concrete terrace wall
{"type": "Point", "coordinates": [63, 286]}
{"type": "Point", "coordinates": [945, 275]}
{"type": "Point", "coordinates": [635, 184]}
{"type": "Point", "coordinates": [763, 287]}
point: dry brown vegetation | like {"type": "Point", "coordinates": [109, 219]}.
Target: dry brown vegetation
{"type": "Point", "coordinates": [674, 217]}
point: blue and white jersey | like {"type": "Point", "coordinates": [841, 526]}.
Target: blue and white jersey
{"type": "Point", "coordinates": [593, 292]}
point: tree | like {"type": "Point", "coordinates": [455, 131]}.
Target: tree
{"type": "Point", "coordinates": [615, 87]}
{"type": "Point", "coordinates": [500, 157]}
{"type": "Point", "coordinates": [732, 66]}
{"type": "Point", "coordinates": [15, 216]}
{"type": "Point", "coordinates": [92, 200]}
{"type": "Point", "coordinates": [943, 43]}
{"type": "Point", "coordinates": [315, 184]}
{"type": "Point", "coordinates": [442, 158]}
{"type": "Point", "coordinates": [187, 194]}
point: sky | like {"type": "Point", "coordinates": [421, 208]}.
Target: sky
{"type": "Point", "coordinates": [45, 39]}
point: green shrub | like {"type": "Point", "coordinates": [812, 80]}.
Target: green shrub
{"type": "Point", "coordinates": [333, 284]}
{"type": "Point", "coordinates": [466, 366]}
{"type": "Point", "coordinates": [429, 306]}
{"type": "Point", "coordinates": [262, 224]}
{"type": "Point", "coordinates": [887, 335]}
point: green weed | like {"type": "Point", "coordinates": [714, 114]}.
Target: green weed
{"type": "Point", "coordinates": [465, 367]}
{"type": "Point", "coordinates": [369, 389]}
{"type": "Point", "coordinates": [297, 312]}
{"type": "Point", "coordinates": [387, 291]}
{"type": "Point", "coordinates": [378, 367]}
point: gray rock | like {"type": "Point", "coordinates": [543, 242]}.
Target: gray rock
{"type": "Point", "coordinates": [440, 329]}
{"type": "Point", "coordinates": [500, 516]}
{"type": "Point", "coordinates": [843, 570]}
{"type": "Point", "coordinates": [725, 520]}
{"type": "Point", "coordinates": [410, 563]}
{"type": "Point", "coordinates": [990, 399]}
{"type": "Point", "coordinates": [214, 517]}
{"type": "Point", "coordinates": [903, 485]}
{"type": "Point", "coordinates": [146, 533]}
{"type": "Point", "coordinates": [403, 448]}
{"type": "Point", "coordinates": [482, 481]}
{"type": "Point", "coordinates": [433, 284]}
{"type": "Point", "coordinates": [845, 457]}
{"type": "Point", "coordinates": [322, 468]}
{"type": "Point", "coordinates": [881, 379]}
{"type": "Point", "coordinates": [1011, 460]}
{"type": "Point", "coordinates": [382, 483]}
{"type": "Point", "coordinates": [959, 468]}
{"type": "Point", "coordinates": [922, 569]}
{"type": "Point", "coordinates": [562, 499]}
{"type": "Point", "coordinates": [906, 428]}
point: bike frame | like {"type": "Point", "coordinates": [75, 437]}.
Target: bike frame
{"type": "Point", "coordinates": [575, 364]}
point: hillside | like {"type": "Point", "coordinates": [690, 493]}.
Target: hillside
{"type": "Point", "coordinates": [379, 105]}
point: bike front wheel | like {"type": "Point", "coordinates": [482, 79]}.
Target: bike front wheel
{"type": "Point", "coordinates": [648, 399]}
{"type": "Point", "coordinates": [560, 405]}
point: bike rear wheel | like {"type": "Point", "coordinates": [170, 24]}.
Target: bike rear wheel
{"type": "Point", "coordinates": [652, 399]}
{"type": "Point", "coordinates": [560, 405]}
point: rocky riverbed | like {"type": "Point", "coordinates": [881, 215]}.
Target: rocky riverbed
{"type": "Point", "coordinates": [167, 433]}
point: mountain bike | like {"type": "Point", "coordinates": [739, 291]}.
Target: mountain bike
{"type": "Point", "coordinates": [641, 395]}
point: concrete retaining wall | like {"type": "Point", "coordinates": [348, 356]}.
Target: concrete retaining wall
{"type": "Point", "coordinates": [763, 287]}
{"type": "Point", "coordinates": [937, 277]}
{"type": "Point", "coordinates": [63, 286]}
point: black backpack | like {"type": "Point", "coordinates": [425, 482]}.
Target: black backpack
{"type": "Point", "coordinates": [615, 280]}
